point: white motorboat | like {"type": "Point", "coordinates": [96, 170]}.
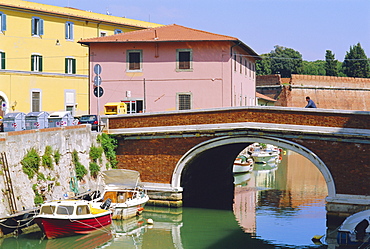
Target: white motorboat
{"type": "Point", "coordinates": [355, 229]}
{"type": "Point", "coordinates": [242, 164]}
{"type": "Point", "coordinates": [264, 154]}
{"type": "Point", "coordinates": [122, 194]}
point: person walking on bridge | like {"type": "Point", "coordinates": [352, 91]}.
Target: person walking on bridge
{"type": "Point", "coordinates": [310, 103]}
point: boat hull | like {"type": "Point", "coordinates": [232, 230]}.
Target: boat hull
{"type": "Point", "coordinates": [62, 227]}
{"type": "Point", "coordinates": [128, 209]}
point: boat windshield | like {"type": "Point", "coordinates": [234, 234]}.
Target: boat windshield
{"type": "Point", "coordinates": [49, 209]}
{"type": "Point", "coordinates": [65, 210]}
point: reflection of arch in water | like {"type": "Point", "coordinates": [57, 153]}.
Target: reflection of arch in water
{"type": "Point", "coordinates": [229, 140]}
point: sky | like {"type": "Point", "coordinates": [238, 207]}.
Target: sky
{"type": "Point", "coordinates": [308, 26]}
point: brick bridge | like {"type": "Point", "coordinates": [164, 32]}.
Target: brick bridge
{"type": "Point", "coordinates": [189, 155]}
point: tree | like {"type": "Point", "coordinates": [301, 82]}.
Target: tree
{"type": "Point", "coordinates": [285, 61]}
{"type": "Point", "coordinates": [356, 63]}
{"type": "Point", "coordinates": [313, 67]}
{"type": "Point", "coordinates": [330, 64]}
{"type": "Point", "coordinates": [263, 67]}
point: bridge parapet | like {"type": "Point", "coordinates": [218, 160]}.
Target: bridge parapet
{"type": "Point", "coordinates": [277, 115]}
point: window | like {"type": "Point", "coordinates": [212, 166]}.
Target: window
{"type": "Point", "coordinates": [245, 67]}
{"type": "Point", "coordinates": [184, 59]}
{"type": "Point", "coordinates": [134, 106]}
{"type": "Point", "coordinates": [36, 101]}
{"type": "Point", "coordinates": [2, 22]}
{"type": "Point", "coordinates": [70, 66]}
{"type": "Point", "coordinates": [134, 59]}
{"type": "Point", "coordinates": [37, 26]}
{"type": "Point", "coordinates": [241, 63]}
{"type": "Point", "coordinates": [234, 62]}
{"type": "Point", "coordinates": [67, 210]}
{"type": "Point", "coordinates": [70, 100]}
{"type": "Point", "coordinates": [117, 31]}
{"type": "Point", "coordinates": [2, 60]}
{"type": "Point", "coordinates": [69, 30]}
{"type": "Point", "coordinates": [184, 101]}
{"type": "Point", "coordinates": [36, 63]}
{"type": "Point", "coordinates": [103, 33]}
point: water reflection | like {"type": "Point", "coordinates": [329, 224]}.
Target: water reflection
{"type": "Point", "coordinates": [285, 198]}
{"type": "Point", "coordinates": [275, 206]}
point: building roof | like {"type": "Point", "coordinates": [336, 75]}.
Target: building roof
{"type": "Point", "coordinates": [261, 96]}
{"type": "Point", "coordinates": [75, 13]}
{"type": "Point", "coordinates": [168, 33]}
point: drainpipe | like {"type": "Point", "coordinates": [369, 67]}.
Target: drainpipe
{"type": "Point", "coordinates": [231, 76]}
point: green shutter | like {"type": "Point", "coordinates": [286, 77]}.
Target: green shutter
{"type": "Point", "coordinates": [74, 66]}
{"type": "Point", "coordinates": [2, 55]}
{"type": "Point", "coordinates": [66, 65]}
{"type": "Point", "coordinates": [32, 61]}
{"type": "Point", "coordinates": [40, 64]}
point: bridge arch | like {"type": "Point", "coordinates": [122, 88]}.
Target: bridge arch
{"type": "Point", "coordinates": [228, 140]}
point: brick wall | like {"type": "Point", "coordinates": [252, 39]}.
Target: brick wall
{"type": "Point", "coordinates": [234, 115]}
{"type": "Point", "coordinates": [155, 159]}
{"type": "Point", "coordinates": [328, 92]}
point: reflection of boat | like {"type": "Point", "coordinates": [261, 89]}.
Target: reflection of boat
{"type": "Point", "coordinates": [122, 189]}
{"type": "Point", "coordinates": [355, 229]}
{"type": "Point", "coordinates": [265, 166]}
{"type": "Point", "coordinates": [241, 179]}
{"type": "Point", "coordinates": [66, 218]}
{"type": "Point", "coordinates": [263, 154]}
{"type": "Point", "coordinates": [89, 241]}
{"type": "Point", "coordinates": [242, 164]}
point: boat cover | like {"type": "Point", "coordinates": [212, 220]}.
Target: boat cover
{"type": "Point", "coordinates": [124, 178]}
{"type": "Point", "coordinates": [351, 222]}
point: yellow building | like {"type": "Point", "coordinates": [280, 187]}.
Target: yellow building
{"type": "Point", "coordinates": [42, 67]}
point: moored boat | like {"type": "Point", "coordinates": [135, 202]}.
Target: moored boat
{"type": "Point", "coordinates": [263, 154]}
{"type": "Point", "coordinates": [71, 217]}
{"type": "Point", "coordinates": [242, 164]}
{"type": "Point", "coordinates": [123, 192]}
{"type": "Point", "coordinates": [355, 230]}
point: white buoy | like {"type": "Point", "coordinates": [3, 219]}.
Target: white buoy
{"type": "Point", "coordinates": [150, 221]}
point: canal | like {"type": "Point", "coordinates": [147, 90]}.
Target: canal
{"type": "Point", "coordinates": [278, 205]}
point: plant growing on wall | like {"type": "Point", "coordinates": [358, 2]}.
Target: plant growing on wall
{"type": "Point", "coordinates": [38, 197]}
{"type": "Point", "coordinates": [94, 169]}
{"type": "Point", "coordinates": [57, 156]}
{"type": "Point", "coordinates": [47, 160]}
{"type": "Point", "coordinates": [109, 144]}
{"type": "Point", "coordinates": [31, 162]}
{"type": "Point", "coordinates": [79, 168]}
{"type": "Point", "coordinates": [95, 155]}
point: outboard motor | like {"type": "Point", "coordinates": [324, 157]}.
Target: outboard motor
{"type": "Point", "coordinates": [106, 204]}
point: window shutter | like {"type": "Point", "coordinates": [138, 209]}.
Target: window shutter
{"type": "Point", "coordinates": [40, 63]}
{"type": "Point", "coordinates": [3, 22]}
{"type": "Point", "coordinates": [33, 26]}
{"type": "Point", "coordinates": [71, 31]}
{"type": "Point", "coordinates": [66, 65]}
{"type": "Point", "coordinates": [32, 62]}
{"type": "Point", "coordinates": [66, 30]}
{"type": "Point", "coordinates": [41, 27]}
{"type": "Point", "coordinates": [2, 54]}
{"type": "Point", "coordinates": [74, 66]}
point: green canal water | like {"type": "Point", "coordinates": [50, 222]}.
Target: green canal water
{"type": "Point", "coordinates": [275, 206]}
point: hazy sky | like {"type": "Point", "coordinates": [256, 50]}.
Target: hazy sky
{"type": "Point", "coordinates": [308, 26]}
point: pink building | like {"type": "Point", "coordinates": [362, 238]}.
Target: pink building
{"type": "Point", "coordinates": [171, 68]}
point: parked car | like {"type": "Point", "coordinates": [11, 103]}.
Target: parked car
{"type": "Point", "coordinates": [90, 119]}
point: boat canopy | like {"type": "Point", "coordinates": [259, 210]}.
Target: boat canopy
{"type": "Point", "coordinates": [123, 178]}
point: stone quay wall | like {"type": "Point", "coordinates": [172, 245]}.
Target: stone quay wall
{"type": "Point", "coordinates": [56, 181]}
